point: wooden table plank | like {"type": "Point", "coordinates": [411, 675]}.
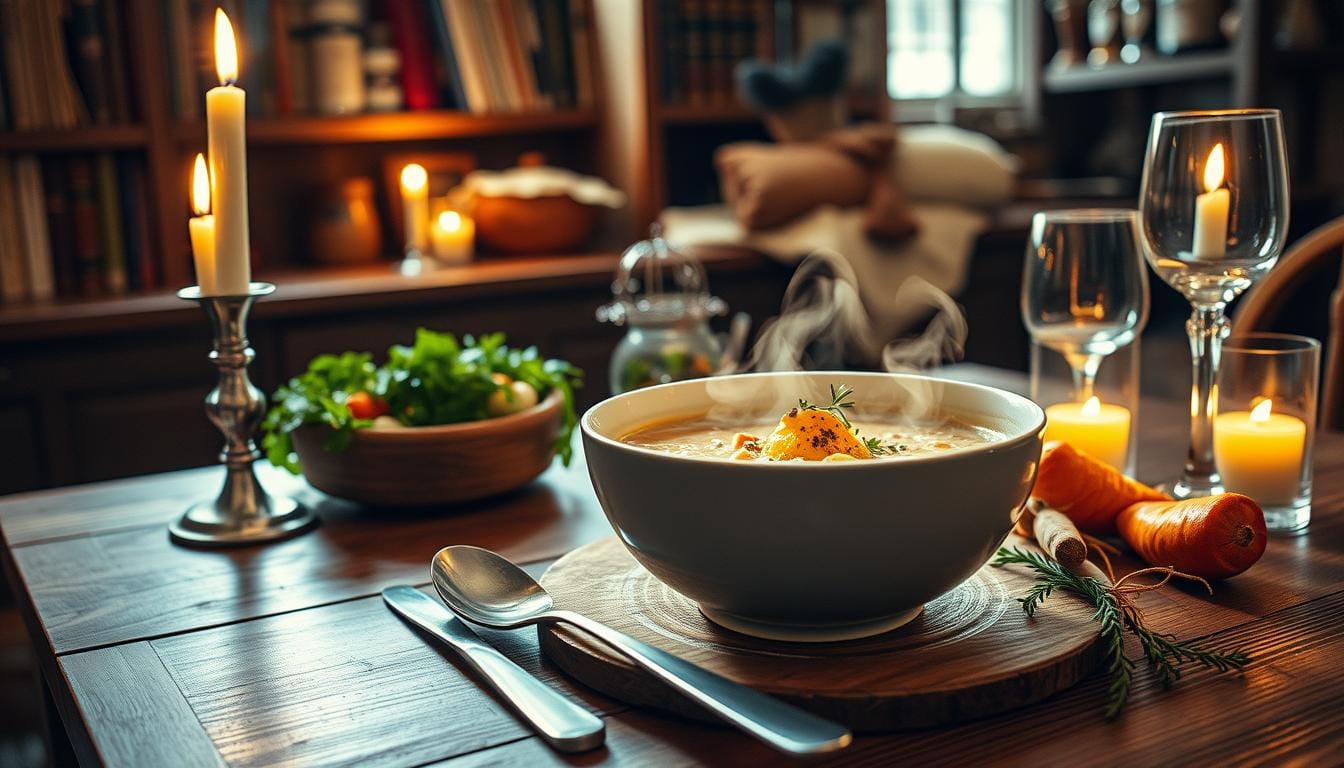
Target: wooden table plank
{"type": "Point", "coordinates": [143, 717]}
{"type": "Point", "coordinates": [130, 585]}
{"type": "Point", "coordinates": [1207, 719]}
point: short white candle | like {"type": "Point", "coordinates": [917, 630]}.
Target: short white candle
{"type": "Point", "coordinates": [202, 229]}
{"type": "Point", "coordinates": [1210, 238]}
{"type": "Point", "coordinates": [1259, 453]}
{"type": "Point", "coordinates": [1100, 431]}
{"type": "Point", "coordinates": [454, 237]}
{"type": "Point", "coordinates": [415, 205]}
{"type": "Point", "coordinates": [225, 121]}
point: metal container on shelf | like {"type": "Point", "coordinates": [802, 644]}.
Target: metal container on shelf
{"type": "Point", "coordinates": [662, 297]}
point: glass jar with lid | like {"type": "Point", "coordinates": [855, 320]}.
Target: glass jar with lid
{"type": "Point", "coordinates": [661, 295]}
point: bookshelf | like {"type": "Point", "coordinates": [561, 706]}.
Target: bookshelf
{"type": "Point", "coordinates": [397, 127]}
{"type": "Point", "coordinates": [304, 149]}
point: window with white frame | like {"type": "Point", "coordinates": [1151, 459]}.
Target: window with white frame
{"type": "Point", "coordinates": [962, 48]}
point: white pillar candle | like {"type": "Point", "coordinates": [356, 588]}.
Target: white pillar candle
{"type": "Point", "coordinates": [1210, 238]}
{"type": "Point", "coordinates": [415, 206]}
{"type": "Point", "coordinates": [1100, 431]}
{"type": "Point", "coordinates": [225, 120]}
{"type": "Point", "coordinates": [202, 229]}
{"type": "Point", "coordinates": [454, 237]}
{"type": "Point", "coordinates": [1259, 453]}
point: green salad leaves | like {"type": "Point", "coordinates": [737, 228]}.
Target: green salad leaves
{"type": "Point", "coordinates": [436, 381]}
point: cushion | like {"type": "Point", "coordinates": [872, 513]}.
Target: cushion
{"type": "Point", "coordinates": [769, 185]}
{"type": "Point", "coordinates": [946, 164]}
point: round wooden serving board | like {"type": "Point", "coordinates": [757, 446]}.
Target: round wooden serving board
{"type": "Point", "coordinates": [971, 653]}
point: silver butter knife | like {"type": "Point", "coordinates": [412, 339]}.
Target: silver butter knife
{"type": "Point", "coordinates": [562, 723]}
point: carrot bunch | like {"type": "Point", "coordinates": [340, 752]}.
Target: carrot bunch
{"type": "Point", "coordinates": [1214, 537]}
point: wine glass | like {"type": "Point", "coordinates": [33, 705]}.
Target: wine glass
{"type": "Point", "coordinates": [1084, 288]}
{"type": "Point", "coordinates": [1213, 216]}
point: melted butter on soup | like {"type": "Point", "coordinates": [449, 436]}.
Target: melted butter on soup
{"type": "Point", "coordinates": [806, 435]}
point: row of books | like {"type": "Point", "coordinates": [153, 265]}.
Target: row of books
{"type": "Point", "coordinates": [74, 225]}
{"type": "Point", "coordinates": [474, 55]}
{"type": "Point", "coordinates": [64, 64]}
{"type": "Point", "coordinates": [516, 55]}
{"type": "Point", "coordinates": [703, 41]}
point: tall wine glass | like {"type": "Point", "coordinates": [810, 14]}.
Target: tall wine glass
{"type": "Point", "coordinates": [1213, 212]}
{"type": "Point", "coordinates": [1084, 287]}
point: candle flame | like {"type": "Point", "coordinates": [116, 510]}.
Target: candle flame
{"type": "Point", "coordinates": [1213, 169]}
{"type": "Point", "coordinates": [200, 187]}
{"type": "Point", "coordinates": [1092, 407]}
{"type": "Point", "coordinates": [450, 221]}
{"type": "Point", "coordinates": [1260, 413]}
{"type": "Point", "coordinates": [414, 177]}
{"type": "Point", "coordinates": [226, 49]}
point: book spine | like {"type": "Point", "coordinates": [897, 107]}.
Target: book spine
{"type": "Point", "coordinates": [177, 39]}
{"type": "Point", "coordinates": [417, 67]}
{"type": "Point", "coordinates": [151, 267]}
{"type": "Point", "coordinates": [33, 223]}
{"type": "Point", "coordinates": [20, 83]}
{"type": "Point", "coordinates": [669, 25]}
{"type": "Point", "coordinates": [444, 41]}
{"type": "Point", "coordinates": [554, 22]}
{"type": "Point", "coordinates": [256, 45]}
{"type": "Point", "coordinates": [515, 60]}
{"type": "Point", "coordinates": [128, 170]}
{"type": "Point", "coordinates": [581, 33]}
{"type": "Point", "coordinates": [115, 46]}
{"type": "Point", "coordinates": [55, 182]}
{"type": "Point", "coordinates": [280, 57]}
{"type": "Point", "coordinates": [109, 222]}
{"type": "Point", "coordinates": [84, 217]}
{"type": "Point", "coordinates": [13, 277]}
{"type": "Point", "coordinates": [464, 42]}
{"type": "Point", "coordinates": [697, 70]}
{"type": "Point", "coordinates": [546, 79]}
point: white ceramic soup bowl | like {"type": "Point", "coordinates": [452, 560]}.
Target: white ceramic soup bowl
{"type": "Point", "coordinates": [814, 551]}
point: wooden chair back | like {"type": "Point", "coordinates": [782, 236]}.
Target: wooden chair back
{"type": "Point", "coordinates": [1267, 304]}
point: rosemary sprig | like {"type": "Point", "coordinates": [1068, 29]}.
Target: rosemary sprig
{"type": "Point", "coordinates": [1116, 614]}
{"type": "Point", "coordinates": [842, 399]}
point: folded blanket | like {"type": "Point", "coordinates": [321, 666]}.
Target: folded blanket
{"type": "Point", "coordinates": [939, 254]}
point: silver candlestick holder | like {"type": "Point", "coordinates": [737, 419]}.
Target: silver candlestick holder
{"type": "Point", "coordinates": [243, 513]}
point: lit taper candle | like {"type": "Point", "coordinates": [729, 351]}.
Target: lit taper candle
{"type": "Point", "coordinates": [202, 228]}
{"type": "Point", "coordinates": [225, 106]}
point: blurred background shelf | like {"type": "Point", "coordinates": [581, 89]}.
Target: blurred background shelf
{"type": "Point", "coordinates": [1151, 71]}
{"type": "Point", "coordinates": [398, 126]}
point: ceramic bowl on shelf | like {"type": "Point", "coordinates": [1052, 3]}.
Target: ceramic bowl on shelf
{"type": "Point", "coordinates": [428, 466]}
{"type": "Point", "coordinates": [813, 551]}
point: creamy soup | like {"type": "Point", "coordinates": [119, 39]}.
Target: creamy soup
{"type": "Point", "coordinates": [808, 435]}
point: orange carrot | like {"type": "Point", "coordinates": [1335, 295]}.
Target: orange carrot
{"type": "Point", "coordinates": [1214, 537]}
{"type": "Point", "coordinates": [1089, 491]}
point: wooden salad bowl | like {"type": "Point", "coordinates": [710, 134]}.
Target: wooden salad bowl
{"type": "Point", "coordinates": [429, 466]}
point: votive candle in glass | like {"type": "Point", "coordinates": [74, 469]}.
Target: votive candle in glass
{"type": "Point", "coordinates": [1266, 423]}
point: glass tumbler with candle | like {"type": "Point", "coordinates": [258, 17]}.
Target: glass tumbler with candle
{"type": "Point", "coordinates": [1085, 298]}
{"type": "Point", "coordinates": [1266, 423]}
{"type": "Point", "coordinates": [1213, 214]}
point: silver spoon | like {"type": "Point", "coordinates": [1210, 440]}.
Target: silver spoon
{"type": "Point", "coordinates": [487, 589]}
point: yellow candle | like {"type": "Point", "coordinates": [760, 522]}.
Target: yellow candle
{"type": "Point", "coordinates": [1259, 453]}
{"type": "Point", "coordinates": [1211, 209]}
{"type": "Point", "coordinates": [454, 237]}
{"type": "Point", "coordinates": [415, 205]}
{"type": "Point", "coordinates": [225, 108]}
{"type": "Point", "coordinates": [1100, 431]}
{"type": "Point", "coordinates": [202, 228]}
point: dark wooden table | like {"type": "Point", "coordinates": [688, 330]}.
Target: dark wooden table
{"type": "Point", "coordinates": [158, 655]}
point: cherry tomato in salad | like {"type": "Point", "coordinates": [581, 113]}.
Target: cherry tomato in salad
{"type": "Point", "coordinates": [363, 405]}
